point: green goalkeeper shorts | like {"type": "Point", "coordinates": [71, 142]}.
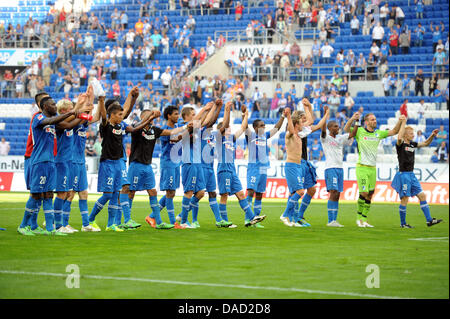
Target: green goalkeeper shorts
{"type": "Point", "coordinates": [366, 177]}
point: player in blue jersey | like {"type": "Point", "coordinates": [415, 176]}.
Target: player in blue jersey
{"type": "Point", "coordinates": [32, 206]}
{"type": "Point", "coordinates": [42, 169]}
{"type": "Point", "coordinates": [79, 174]}
{"type": "Point", "coordinates": [191, 170]}
{"type": "Point", "coordinates": [405, 181]}
{"type": "Point", "coordinates": [309, 171]}
{"type": "Point", "coordinates": [140, 173]}
{"type": "Point", "coordinates": [170, 163]}
{"type": "Point", "coordinates": [229, 183]}
{"type": "Point", "coordinates": [258, 162]}
{"type": "Point", "coordinates": [63, 160]}
{"type": "Point", "coordinates": [208, 145]}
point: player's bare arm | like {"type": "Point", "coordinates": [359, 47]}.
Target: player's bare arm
{"type": "Point", "coordinates": [429, 139]}
{"type": "Point", "coordinates": [277, 126]}
{"type": "Point", "coordinates": [244, 124]}
{"type": "Point", "coordinates": [226, 118]}
{"type": "Point", "coordinates": [354, 118]}
{"type": "Point", "coordinates": [308, 112]}
{"type": "Point", "coordinates": [207, 118]}
{"type": "Point", "coordinates": [401, 133]}
{"type": "Point", "coordinates": [395, 130]}
{"type": "Point", "coordinates": [322, 121]}
{"type": "Point", "coordinates": [130, 101]}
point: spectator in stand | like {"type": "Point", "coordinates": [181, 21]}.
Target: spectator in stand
{"type": "Point", "coordinates": [274, 106]}
{"type": "Point", "coordinates": [385, 84]}
{"type": "Point", "coordinates": [434, 157]}
{"type": "Point", "coordinates": [439, 59]}
{"type": "Point", "coordinates": [326, 52]}
{"type": "Point", "coordinates": [349, 102]}
{"type": "Point", "coordinates": [354, 25]}
{"type": "Point", "coordinates": [439, 97]}
{"type": "Point", "coordinates": [392, 84]}
{"type": "Point", "coordinates": [270, 26]}
{"type": "Point", "coordinates": [124, 20]}
{"type": "Point", "coordinates": [202, 56]}
{"type": "Point", "coordinates": [406, 85]}
{"type": "Point", "coordinates": [386, 143]}
{"type": "Point", "coordinates": [116, 90]}
{"type": "Point", "coordinates": [4, 147]}
{"type": "Point", "coordinates": [264, 106]}
{"type": "Point", "coordinates": [384, 13]}
{"type": "Point", "coordinates": [419, 80]}
{"type": "Point", "coordinates": [315, 51]}
{"type": "Point", "coordinates": [419, 33]}
{"type": "Point", "coordinates": [419, 8]}
{"type": "Point", "coordinates": [238, 10]}
{"type": "Point", "coordinates": [399, 16]}
{"type": "Point", "coordinates": [419, 138]}
{"type": "Point", "coordinates": [437, 34]}
{"type": "Point", "coordinates": [88, 44]}
{"type": "Point", "coordinates": [393, 42]}
{"type": "Point", "coordinates": [378, 34]}
{"type": "Point", "coordinates": [442, 135]}
{"type": "Point", "coordinates": [404, 109]}
{"type": "Point", "coordinates": [334, 102]}
{"type": "Point", "coordinates": [405, 40]}
{"type": "Point", "coordinates": [442, 152]}
{"type": "Point", "coordinates": [432, 84]}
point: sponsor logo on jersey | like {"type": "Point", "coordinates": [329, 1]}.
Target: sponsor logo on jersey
{"type": "Point", "coordinates": [148, 136]}
{"type": "Point", "coordinates": [409, 148]}
{"type": "Point", "coordinates": [69, 133]}
{"type": "Point", "coordinates": [49, 129]}
{"type": "Point", "coordinates": [368, 138]}
{"type": "Point", "coordinates": [117, 132]}
{"type": "Point", "coordinates": [82, 133]}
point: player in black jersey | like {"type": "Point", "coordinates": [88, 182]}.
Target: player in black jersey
{"type": "Point", "coordinates": [140, 172]}
{"type": "Point", "coordinates": [405, 182]}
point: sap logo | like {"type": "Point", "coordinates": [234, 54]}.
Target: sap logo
{"type": "Point", "coordinates": [33, 55]}
{"type": "Point", "coordinates": [5, 55]}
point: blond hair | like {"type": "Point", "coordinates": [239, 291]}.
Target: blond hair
{"type": "Point", "coordinates": [64, 105]}
{"type": "Point", "coordinates": [409, 128]}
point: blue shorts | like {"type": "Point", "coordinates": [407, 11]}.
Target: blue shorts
{"type": "Point", "coordinates": [210, 179]}
{"type": "Point", "coordinates": [141, 176]}
{"type": "Point", "coordinates": [123, 168]}
{"type": "Point", "coordinates": [257, 178]}
{"type": "Point", "coordinates": [109, 176]}
{"type": "Point", "coordinates": [228, 182]}
{"type": "Point", "coordinates": [27, 169]}
{"type": "Point", "coordinates": [294, 176]}
{"type": "Point", "coordinates": [79, 177]}
{"type": "Point", "coordinates": [310, 174]}
{"type": "Point", "coordinates": [334, 179]}
{"type": "Point", "coordinates": [192, 177]}
{"type": "Point", "coordinates": [170, 178]}
{"type": "Point", "coordinates": [63, 177]}
{"type": "Point", "coordinates": [406, 184]}
{"type": "Point", "coordinates": [42, 177]}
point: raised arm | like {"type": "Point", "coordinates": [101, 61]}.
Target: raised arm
{"type": "Point", "coordinates": [350, 121]}
{"type": "Point", "coordinates": [207, 118]}
{"type": "Point", "coordinates": [395, 130]}
{"type": "Point", "coordinates": [145, 121]}
{"type": "Point", "coordinates": [322, 121]}
{"type": "Point", "coordinates": [401, 132]}
{"type": "Point", "coordinates": [216, 114]}
{"type": "Point", "coordinates": [429, 139]}
{"type": "Point", "coordinates": [323, 134]}
{"type": "Point", "coordinates": [244, 124]}
{"type": "Point", "coordinates": [102, 109]}
{"type": "Point", "coordinates": [226, 117]}
{"type": "Point", "coordinates": [130, 101]}
{"type": "Point", "coordinates": [355, 117]}
{"type": "Point", "coordinates": [277, 126]}
{"type": "Point", "coordinates": [290, 131]}
{"type": "Point", "coordinates": [308, 112]}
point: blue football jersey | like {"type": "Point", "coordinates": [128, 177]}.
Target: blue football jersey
{"type": "Point", "coordinates": [208, 145]}
{"type": "Point", "coordinates": [43, 140]}
{"type": "Point", "coordinates": [79, 143]}
{"type": "Point", "coordinates": [226, 154]}
{"type": "Point", "coordinates": [124, 134]}
{"type": "Point", "coordinates": [64, 145]}
{"type": "Point", "coordinates": [168, 161]}
{"type": "Point", "coordinates": [258, 149]}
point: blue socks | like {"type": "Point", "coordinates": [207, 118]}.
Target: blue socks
{"type": "Point", "coordinates": [66, 212]}
{"type": "Point", "coordinates": [98, 206]}
{"type": "Point", "coordinates": [185, 206]}
{"type": "Point", "coordinates": [257, 207]}
{"type": "Point", "coordinates": [194, 207]}
{"type": "Point", "coordinates": [215, 209]}
{"type": "Point", "coordinates": [116, 209]}
{"type": "Point", "coordinates": [163, 202]}
{"type": "Point", "coordinates": [155, 209]}
{"type": "Point", "coordinates": [125, 205]}
{"type": "Point", "coordinates": [170, 209]}
{"type": "Point", "coordinates": [34, 217]}
{"type": "Point", "coordinates": [291, 207]}
{"type": "Point", "coordinates": [82, 204]}
{"type": "Point", "coordinates": [247, 209]}
{"type": "Point", "coordinates": [332, 210]}
{"type": "Point", "coordinates": [402, 212]}
{"type": "Point", "coordinates": [286, 211]}
{"type": "Point", "coordinates": [426, 210]}
{"type": "Point", "coordinates": [58, 206]}
{"type": "Point", "coordinates": [304, 205]}
{"type": "Point", "coordinates": [48, 213]}
{"type": "Point", "coordinates": [250, 200]}
{"type": "Point", "coordinates": [223, 211]}
{"type": "Point", "coordinates": [29, 210]}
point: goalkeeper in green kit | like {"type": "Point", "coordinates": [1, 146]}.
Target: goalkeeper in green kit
{"type": "Point", "coordinates": [368, 138]}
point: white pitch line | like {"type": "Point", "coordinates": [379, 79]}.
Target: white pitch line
{"type": "Point", "coordinates": [430, 239]}
{"type": "Point", "coordinates": [186, 283]}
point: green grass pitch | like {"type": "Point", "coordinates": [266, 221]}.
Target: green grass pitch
{"type": "Point", "coordinates": [274, 262]}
